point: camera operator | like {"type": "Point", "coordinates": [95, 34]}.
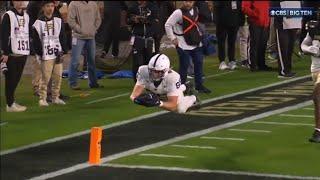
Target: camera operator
{"type": "Point", "coordinates": [142, 16]}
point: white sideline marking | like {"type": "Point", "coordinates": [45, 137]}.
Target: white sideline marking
{"type": "Point", "coordinates": [3, 123]}
{"type": "Point", "coordinates": [296, 115]}
{"type": "Point", "coordinates": [311, 109]}
{"type": "Point", "coordinates": [220, 74]}
{"type": "Point", "coordinates": [170, 141]}
{"type": "Point", "coordinates": [250, 130]}
{"type": "Point", "coordinates": [283, 123]}
{"type": "Point", "coordinates": [193, 147]}
{"type": "Point", "coordinates": [209, 171]}
{"type": "Point", "coordinates": [162, 155]}
{"type": "Point", "coordinates": [53, 140]}
{"type": "Point", "coordinates": [108, 98]}
{"type": "Point", "coordinates": [222, 138]}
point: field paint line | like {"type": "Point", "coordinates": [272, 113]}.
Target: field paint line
{"type": "Point", "coordinates": [222, 138]}
{"type": "Point", "coordinates": [139, 118]}
{"type": "Point", "coordinates": [170, 141]}
{"type": "Point", "coordinates": [219, 74]}
{"type": "Point", "coordinates": [297, 115]}
{"type": "Point", "coordinates": [283, 123]}
{"type": "Point", "coordinates": [310, 109]}
{"type": "Point", "coordinates": [162, 155]}
{"type": "Point", "coordinates": [193, 147]}
{"type": "Point", "coordinates": [210, 171]}
{"type": "Point", "coordinates": [108, 98]}
{"type": "Point", "coordinates": [3, 123]}
{"type": "Point", "coordinates": [250, 130]}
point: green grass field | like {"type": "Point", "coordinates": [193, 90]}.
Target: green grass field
{"type": "Point", "coordinates": [259, 148]}
{"type": "Point", "coordinates": [38, 124]}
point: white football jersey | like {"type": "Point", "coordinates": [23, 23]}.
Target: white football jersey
{"type": "Point", "coordinates": [49, 32]}
{"type": "Point", "coordinates": [19, 35]}
{"type": "Point", "coordinates": [170, 85]}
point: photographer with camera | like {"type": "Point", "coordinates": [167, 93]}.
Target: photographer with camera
{"type": "Point", "coordinates": [50, 47]}
{"type": "Point", "coordinates": [142, 16]}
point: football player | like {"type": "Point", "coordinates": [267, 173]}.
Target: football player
{"type": "Point", "coordinates": [311, 45]}
{"type": "Point", "coordinates": [160, 80]}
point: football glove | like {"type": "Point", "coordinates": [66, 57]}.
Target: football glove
{"type": "Point", "coordinates": [148, 100]}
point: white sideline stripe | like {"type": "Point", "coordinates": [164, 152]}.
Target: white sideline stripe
{"type": "Point", "coordinates": [297, 115]}
{"type": "Point", "coordinates": [222, 138]}
{"type": "Point", "coordinates": [311, 109]}
{"type": "Point", "coordinates": [193, 147]}
{"type": "Point", "coordinates": [220, 74]}
{"type": "Point", "coordinates": [108, 98]}
{"type": "Point", "coordinates": [162, 155]}
{"type": "Point", "coordinates": [142, 117]}
{"type": "Point", "coordinates": [170, 141]}
{"type": "Point", "coordinates": [283, 123]}
{"type": "Point", "coordinates": [208, 171]}
{"type": "Point", "coordinates": [3, 123]}
{"type": "Point", "coordinates": [250, 130]}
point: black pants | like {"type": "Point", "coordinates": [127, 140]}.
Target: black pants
{"type": "Point", "coordinates": [285, 43]}
{"type": "Point", "coordinates": [141, 55]}
{"type": "Point", "coordinates": [13, 75]}
{"type": "Point", "coordinates": [112, 31]}
{"type": "Point", "coordinates": [222, 33]}
{"type": "Point", "coordinates": [258, 39]}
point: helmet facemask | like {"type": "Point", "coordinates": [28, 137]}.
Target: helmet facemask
{"type": "Point", "coordinates": [156, 75]}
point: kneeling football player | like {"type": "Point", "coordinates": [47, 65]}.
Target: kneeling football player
{"type": "Point", "coordinates": [311, 45]}
{"type": "Point", "coordinates": [160, 80]}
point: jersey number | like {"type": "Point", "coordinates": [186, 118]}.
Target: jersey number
{"type": "Point", "coordinates": [51, 50]}
{"type": "Point", "coordinates": [178, 84]}
{"type": "Point", "coordinates": [23, 45]}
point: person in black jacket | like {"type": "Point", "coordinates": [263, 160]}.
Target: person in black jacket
{"type": "Point", "coordinates": [142, 16]}
{"type": "Point", "coordinates": [228, 20]}
{"type": "Point", "coordinates": [112, 16]}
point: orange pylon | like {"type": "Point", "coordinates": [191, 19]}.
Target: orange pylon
{"type": "Point", "coordinates": [95, 145]}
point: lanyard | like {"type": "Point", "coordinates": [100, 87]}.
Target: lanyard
{"type": "Point", "coordinates": [18, 20]}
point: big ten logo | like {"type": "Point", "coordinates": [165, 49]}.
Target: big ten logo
{"type": "Point", "coordinates": [49, 26]}
{"type": "Point", "coordinates": [21, 22]}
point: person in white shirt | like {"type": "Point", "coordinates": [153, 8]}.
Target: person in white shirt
{"type": "Point", "coordinates": [183, 30]}
{"type": "Point", "coordinates": [311, 45]}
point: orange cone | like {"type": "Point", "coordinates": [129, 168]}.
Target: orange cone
{"type": "Point", "coordinates": [95, 146]}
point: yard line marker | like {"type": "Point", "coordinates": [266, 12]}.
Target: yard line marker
{"type": "Point", "coordinates": [210, 171]}
{"type": "Point", "coordinates": [3, 123]}
{"type": "Point", "coordinates": [311, 109]}
{"type": "Point", "coordinates": [170, 141]}
{"type": "Point", "coordinates": [108, 98]}
{"type": "Point", "coordinates": [222, 138]}
{"type": "Point", "coordinates": [220, 74]}
{"type": "Point", "coordinates": [139, 118]}
{"type": "Point", "coordinates": [283, 123]}
{"type": "Point", "coordinates": [250, 130]}
{"type": "Point", "coordinates": [162, 155]}
{"type": "Point", "coordinates": [193, 147]}
{"type": "Point", "coordinates": [297, 115]}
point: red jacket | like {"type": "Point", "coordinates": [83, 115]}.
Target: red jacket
{"type": "Point", "coordinates": [257, 11]}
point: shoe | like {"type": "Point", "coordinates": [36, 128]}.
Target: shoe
{"type": "Point", "coordinates": [203, 89]}
{"type": "Point", "coordinates": [288, 75]}
{"type": "Point", "coordinates": [96, 86]}
{"type": "Point", "coordinates": [114, 57]}
{"type": "Point", "coordinates": [315, 137]}
{"type": "Point", "coordinates": [223, 66]}
{"type": "Point", "coordinates": [43, 103]}
{"type": "Point", "coordinates": [196, 105]}
{"type": "Point", "coordinates": [15, 108]}
{"type": "Point", "coordinates": [232, 65]}
{"type": "Point", "coordinates": [76, 87]}
{"type": "Point", "coordinates": [49, 99]}
{"type": "Point", "coordinates": [58, 101]}
{"type": "Point", "coordinates": [266, 68]}
{"type": "Point", "coordinates": [64, 97]}
{"type": "Point", "coordinates": [190, 77]}
{"type": "Point", "coordinates": [20, 106]}
{"type": "Point", "coordinates": [189, 89]}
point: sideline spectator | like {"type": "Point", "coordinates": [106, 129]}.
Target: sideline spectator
{"type": "Point", "coordinates": [84, 19]}
{"type": "Point", "coordinates": [112, 15]}
{"type": "Point", "coordinates": [259, 22]}
{"type": "Point", "coordinates": [15, 43]}
{"type": "Point", "coordinates": [50, 46]}
{"type": "Point", "coordinates": [186, 36]}
{"type": "Point", "coordinates": [286, 32]}
{"type": "Point", "coordinates": [142, 16]}
{"type": "Point", "coordinates": [228, 20]}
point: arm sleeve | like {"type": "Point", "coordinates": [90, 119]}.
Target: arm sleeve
{"type": "Point", "coordinates": [306, 43]}
{"type": "Point", "coordinates": [5, 34]}
{"type": "Point", "coordinates": [63, 39]}
{"type": "Point", "coordinates": [98, 18]}
{"type": "Point", "coordinates": [37, 45]}
{"type": "Point", "coordinates": [173, 19]}
{"type": "Point", "coordinates": [72, 16]}
{"type": "Point", "coordinates": [174, 85]}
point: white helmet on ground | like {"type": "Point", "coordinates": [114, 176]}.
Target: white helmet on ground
{"type": "Point", "coordinates": [159, 66]}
